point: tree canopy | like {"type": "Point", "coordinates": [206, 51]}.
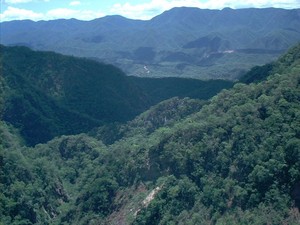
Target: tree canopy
{"type": "Point", "coordinates": [232, 160]}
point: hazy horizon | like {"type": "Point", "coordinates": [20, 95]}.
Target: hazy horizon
{"type": "Point", "coordinates": [133, 9]}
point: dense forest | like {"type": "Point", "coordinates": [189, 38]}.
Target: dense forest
{"type": "Point", "coordinates": [232, 159]}
{"type": "Point", "coordinates": [48, 94]}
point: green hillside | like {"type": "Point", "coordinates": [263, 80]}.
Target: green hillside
{"type": "Point", "coordinates": [233, 160]}
{"type": "Point", "coordinates": [46, 94]}
{"type": "Point", "coordinates": [164, 88]}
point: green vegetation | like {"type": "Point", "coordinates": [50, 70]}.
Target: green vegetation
{"type": "Point", "coordinates": [232, 160]}
{"type": "Point", "coordinates": [164, 88]}
{"type": "Point", "coordinates": [47, 95]}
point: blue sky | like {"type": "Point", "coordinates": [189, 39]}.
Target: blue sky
{"type": "Point", "coordinates": [135, 9]}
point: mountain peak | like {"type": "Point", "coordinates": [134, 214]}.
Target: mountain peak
{"type": "Point", "coordinates": [251, 37]}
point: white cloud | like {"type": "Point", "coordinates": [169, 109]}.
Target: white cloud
{"type": "Point", "coordinates": [17, 1]}
{"type": "Point", "coordinates": [61, 13]}
{"type": "Point", "coordinates": [67, 13]}
{"type": "Point", "coordinates": [135, 11]}
{"type": "Point", "coordinates": [155, 7]}
{"type": "Point", "coordinates": [288, 4]}
{"type": "Point", "coordinates": [12, 13]}
{"type": "Point", "coordinates": [21, 1]}
{"type": "Point", "coordinates": [75, 3]}
{"type": "Point", "coordinates": [140, 11]}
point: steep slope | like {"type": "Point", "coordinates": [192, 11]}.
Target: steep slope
{"type": "Point", "coordinates": [46, 94]}
{"type": "Point", "coordinates": [164, 88]}
{"type": "Point", "coordinates": [183, 42]}
{"type": "Point", "coordinates": [234, 160]}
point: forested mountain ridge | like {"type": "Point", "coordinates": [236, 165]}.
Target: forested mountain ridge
{"type": "Point", "coordinates": [46, 94]}
{"type": "Point", "coordinates": [51, 94]}
{"type": "Point", "coordinates": [234, 160]}
{"type": "Point", "coordinates": [183, 42]}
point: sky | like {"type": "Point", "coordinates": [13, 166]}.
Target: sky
{"type": "Point", "coordinates": [133, 9]}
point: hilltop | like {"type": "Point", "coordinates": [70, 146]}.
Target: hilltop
{"type": "Point", "coordinates": [181, 42]}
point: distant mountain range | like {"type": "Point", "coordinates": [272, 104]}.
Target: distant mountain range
{"type": "Point", "coordinates": [182, 42]}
